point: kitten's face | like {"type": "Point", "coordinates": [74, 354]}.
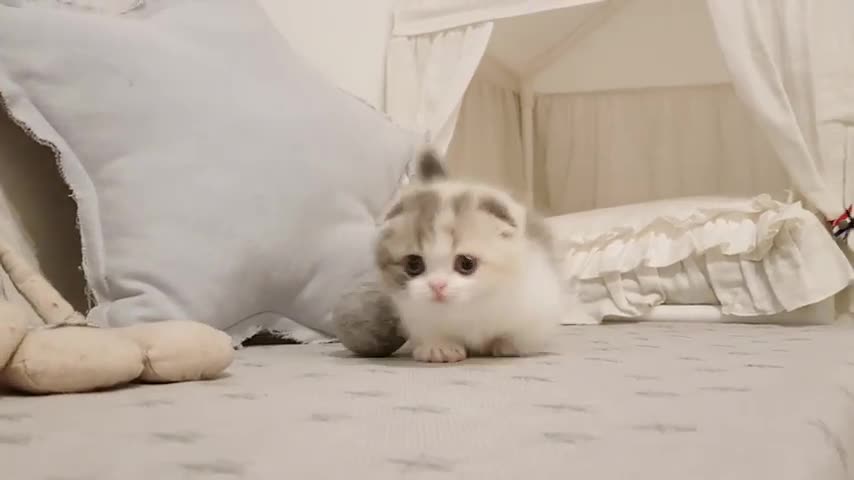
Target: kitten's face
{"type": "Point", "coordinates": [447, 243]}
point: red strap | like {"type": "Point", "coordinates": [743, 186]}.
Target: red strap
{"type": "Point", "coordinates": [845, 216]}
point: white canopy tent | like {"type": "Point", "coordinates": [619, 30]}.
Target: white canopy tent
{"type": "Point", "coordinates": [780, 67]}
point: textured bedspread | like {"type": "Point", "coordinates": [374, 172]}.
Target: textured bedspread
{"type": "Point", "coordinates": [656, 401]}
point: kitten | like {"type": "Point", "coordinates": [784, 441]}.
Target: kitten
{"type": "Point", "coordinates": [470, 270]}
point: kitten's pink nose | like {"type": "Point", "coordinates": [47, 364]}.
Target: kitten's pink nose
{"type": "Point", "coordinates": [438, 287]}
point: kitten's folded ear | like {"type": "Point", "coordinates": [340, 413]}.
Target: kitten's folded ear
{"type": "Point", "coordinates": [429, 165]}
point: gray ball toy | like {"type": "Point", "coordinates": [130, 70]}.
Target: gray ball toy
{"type": "Point", "coordinates": [366, 321]}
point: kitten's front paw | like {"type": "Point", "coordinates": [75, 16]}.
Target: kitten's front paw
{"type": "Point", "coordinates": [439, 353]}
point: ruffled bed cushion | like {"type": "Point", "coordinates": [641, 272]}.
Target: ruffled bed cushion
{"type": "Point", "coordinates": [752, 256]}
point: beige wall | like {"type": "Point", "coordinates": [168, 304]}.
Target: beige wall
{"type": "Point", "coordinates": [652, 43]}
{"type": "Point", "coordinates": [345, 39]}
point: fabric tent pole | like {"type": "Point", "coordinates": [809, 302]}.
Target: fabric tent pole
{"type": "Point", "coordinates": [527, 104]}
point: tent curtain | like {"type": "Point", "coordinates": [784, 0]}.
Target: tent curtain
{"type": "Point", "coordinates": [777, 53]}
{"type": "Point", "coordinates": [487, 143]}
{"type": "Point", "coordinates": [427, 76]}
{"type": "Point", "coordinates": [597, 150]}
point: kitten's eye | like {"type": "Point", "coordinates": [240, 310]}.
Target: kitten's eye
{"type": "Point", "coordinates": [465, 264]}
{"type": "Point", "coordinates": [413, 265]}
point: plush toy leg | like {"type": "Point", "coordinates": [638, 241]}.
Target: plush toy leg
{"type": "Point", "coordinates": [179, 351]}
{"type": "Point", "coordinates": [13, 327]}
{"type": "Point", "coordinates": [66, 356]}
{"type": "Point", "coordinates": [73, 358]}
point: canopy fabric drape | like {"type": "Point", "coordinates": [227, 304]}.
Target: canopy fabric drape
{"type": "Point", "coordinates": [416, 17]}
{"type": "Point", "coordinates": [789, 60]}
{"type": "Point", "coordinates": [779, 53]}
{"type": "Point", "coordinates": [428, 76]}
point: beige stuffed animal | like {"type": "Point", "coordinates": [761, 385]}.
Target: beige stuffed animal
{"type": "Point", "coordinates": [68, 355]}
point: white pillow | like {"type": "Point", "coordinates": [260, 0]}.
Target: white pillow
{"type": "Point", "coordinates": [218, 179]}
{"type": "Point", "coordinates": [753, 257]}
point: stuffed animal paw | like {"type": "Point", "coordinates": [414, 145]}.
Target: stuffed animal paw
{"type": "Point", "coordinates": [68, 355]}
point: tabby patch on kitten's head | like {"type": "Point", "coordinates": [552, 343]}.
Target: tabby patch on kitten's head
{"type": "Point", "coordinates": [452, 242]}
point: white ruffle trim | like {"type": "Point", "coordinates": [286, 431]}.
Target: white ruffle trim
{"type": "Point", "coordinates": [753, 257]}
{"type": "Point", "coordinates": [666, 240]}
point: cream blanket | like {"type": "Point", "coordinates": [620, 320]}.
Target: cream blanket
{"type": "Point", "coordinates": [642, 401]}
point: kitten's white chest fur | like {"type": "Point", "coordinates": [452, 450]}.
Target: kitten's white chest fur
{"type": "Point", "coordinates": [518, 318]}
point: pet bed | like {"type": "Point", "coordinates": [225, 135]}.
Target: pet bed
{"type": "Point", "coordinates": [647, 400]}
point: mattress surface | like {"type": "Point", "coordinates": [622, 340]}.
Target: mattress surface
{"type": "Point", "coordinates": [649, 400]}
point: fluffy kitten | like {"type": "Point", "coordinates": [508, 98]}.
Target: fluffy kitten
{"type": "Point", "coordinates": [470, 270]}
